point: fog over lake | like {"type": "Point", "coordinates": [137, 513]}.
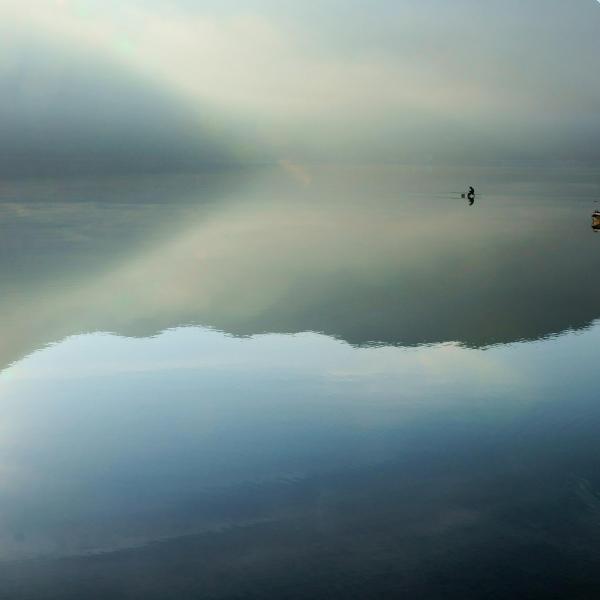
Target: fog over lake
{"type": "Point", "coordinates": [89, 86]}
{"type": "Point", "coordinates": [259, 340]}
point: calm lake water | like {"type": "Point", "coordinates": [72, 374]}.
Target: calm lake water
{"type": "Point", "coordinates": [301, 382]}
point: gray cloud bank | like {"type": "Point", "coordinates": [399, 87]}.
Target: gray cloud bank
{"type": "Point", "coordinates": [68, 113]}
{"type": "Point", "coordinates": [157, 86]}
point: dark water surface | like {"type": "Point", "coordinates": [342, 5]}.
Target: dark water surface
{"type": "Point", "coordinates": [301, 383]}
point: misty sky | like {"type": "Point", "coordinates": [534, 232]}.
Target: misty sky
{"type": "Point", "coordinates": [161, 84]}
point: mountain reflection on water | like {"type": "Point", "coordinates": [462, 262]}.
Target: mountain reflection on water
{"type": "Point", "coordinates": [318, 382]}
{"type": "Point", "coordinates": [364, 255]}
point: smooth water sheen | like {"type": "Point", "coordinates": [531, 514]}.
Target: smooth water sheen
{"type": "Point", "coordinates": [303, 382]}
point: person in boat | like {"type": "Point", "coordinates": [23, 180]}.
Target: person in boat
{"type": "Point", "coordinates": [471, 195]}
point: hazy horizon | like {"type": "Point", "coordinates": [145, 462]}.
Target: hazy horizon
{"type": "Point", "coordinates": [159, 86]}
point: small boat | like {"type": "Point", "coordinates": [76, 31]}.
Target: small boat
{"type": "Point", "coordinates": [470, 194]}
{"type": "Point", "coordinates": [596, 220]}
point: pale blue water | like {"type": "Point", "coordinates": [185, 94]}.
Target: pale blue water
{"type": "Point", "coordinates": [316, 383]}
